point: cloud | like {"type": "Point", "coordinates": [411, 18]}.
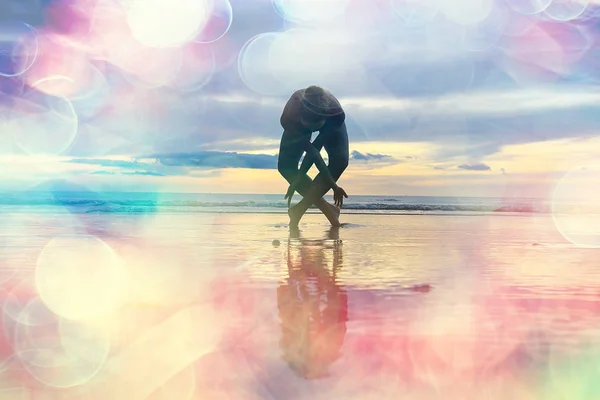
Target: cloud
{"type": "Point", "coordinates": [368, 157]}
{"type": "Point", "coordinates": [242, 145]}
{"type": "Point", "coordinates": [186, 163]}
{"type": "Point", "coordinates": [144, 173]}
{"type": "Point", "coordinates": [217, 159]}
{"type": "Point", "coordinates": [407, 85]}
{"type": "Point", "coordinates": [482, 120]}
{"type": "Point", "coordinates": [439, 96]}
{"type": "Point", "coordinates": [484, 102]}
{"type": "Point", "coordinates": [475, 167]}
{"type": "Point", "coordinates": [124, 167]}
{"type": "Point", "coordinates": [171, 163]}
{"type": "Point", "coordinates": [105, 162]}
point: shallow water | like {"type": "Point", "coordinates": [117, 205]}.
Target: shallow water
{"type": "Point", "coordinates": [219, 306]}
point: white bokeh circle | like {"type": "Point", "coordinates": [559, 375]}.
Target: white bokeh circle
{"type": "Point", "coordinates": [80, 277]}
{"type": "Point", "coordinates": [566, 10]}
{"type": "Point", "coordinates": [576, 206]}
{"type": "Point", "coordinates": [58, 352]}
{"type": "Point", "coordinates": [528, 7]}
{"type": "Point", "coordinates": [164, 23]}
{"type": "Point", "coordinates": [42, 124]}
{"type": "Point", "coordinates": [19, 48]}
{"type": "Point", "coordinates": [254, 66]}
{"type": "Point", "coordinates": [310, 11]}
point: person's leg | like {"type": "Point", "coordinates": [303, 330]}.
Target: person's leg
{"type": "Point", "coordinates": [338, 151]}
{"type": "Point", "coordinates": [287, 164]}
{"type": "Point", "coordinates": [318, 189]}
{"type": "Point", "coordinates": [330, 211]}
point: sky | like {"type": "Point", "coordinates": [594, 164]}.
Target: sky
{"type": "Point", "coordinates": [442, 97]}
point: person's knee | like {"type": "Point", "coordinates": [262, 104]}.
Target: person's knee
{"type": "Point", "coordinates": [286, 172]}
{"type": "Point", "coordinates": [339, 167]}
{"type": "Point", "coordinates": [344, 164]}
{"type": "Point", "coordinates": [282, 167]}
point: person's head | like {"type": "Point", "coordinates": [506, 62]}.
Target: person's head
{"type": "Point", "coordinates": [317, 105]}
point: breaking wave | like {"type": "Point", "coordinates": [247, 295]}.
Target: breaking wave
{"type": "Point", "coordinates": [147, 205]}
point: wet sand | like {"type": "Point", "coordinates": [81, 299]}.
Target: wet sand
{"type": "Point", "coordinates": [218, 306]}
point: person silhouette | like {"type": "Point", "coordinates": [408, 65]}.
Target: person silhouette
{"type": "Point", "coordinates": [307, 111]}
{"type": "Point", "coordinates": [313, 309]}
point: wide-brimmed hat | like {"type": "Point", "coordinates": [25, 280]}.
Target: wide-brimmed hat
{"type": "Point", "coordinates": [321, 102]}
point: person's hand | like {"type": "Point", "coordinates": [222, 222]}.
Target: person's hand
{"type": "Point", "coordinates": [338, 196]}
{"type": "Point", "coordinates": [290, 193]}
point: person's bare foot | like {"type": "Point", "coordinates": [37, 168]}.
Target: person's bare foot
{"type": "Point", "coordinates": [295, 216]}
{"type": "Point", "coordinates": [337, 210]}
{"type": "Point", "coordinates": [332, 213]}
{"type": "Point", "coordinates": [334, 218]}
{"type": "Point", "coordinates": [334, 233]}
{"type": "Point", "coordinates": [294, 232]}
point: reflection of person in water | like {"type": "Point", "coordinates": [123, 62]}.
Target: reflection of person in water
{"type": "Point", "coordinates": [313, 309]}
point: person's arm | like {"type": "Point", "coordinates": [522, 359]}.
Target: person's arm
{"type": "Point", "coordinates": [313, 155]}
{"type": "Point", "coordinates": [312, 152]}
{"type": "Point", "coordinates": [309, 160]}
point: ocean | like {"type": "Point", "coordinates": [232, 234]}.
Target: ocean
{"type": "Point", "coordinates": [139, 202]}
